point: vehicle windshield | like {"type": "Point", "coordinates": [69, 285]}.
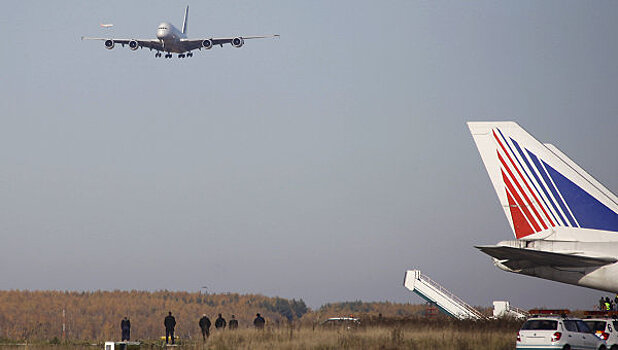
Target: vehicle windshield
{"type": "Point", "coordinates": [544, 325]}
{"type": "Point", "coordinates": [596, 326]}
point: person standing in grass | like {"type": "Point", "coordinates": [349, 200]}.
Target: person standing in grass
{"type": "Point", "coordinates": [125, 325]}
{"type": "Point", "coordinates": [220, 322]}
{"type": "Point", "coordinates": [170, 324]}
{"type": "Point", "coordinates": [205, 326]}
{"type": "Point", "coordinates": [259, 321]}
{"type": "Point", "coordinates": [233, 323]}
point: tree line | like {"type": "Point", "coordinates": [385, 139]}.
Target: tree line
{"type": "Point", "coordinates": [363, 309]}
{"type": "Point", "coordinates": [96, 316]}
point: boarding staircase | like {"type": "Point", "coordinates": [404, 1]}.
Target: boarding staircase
{"type": "Point", "coordinates": [503, 309]}
{"type": "Point", "coordinates": [439, 296]}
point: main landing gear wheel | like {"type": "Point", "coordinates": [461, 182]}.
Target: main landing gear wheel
{"type": "Point", "coordinates": [189, 54]}
{"type": "Point", "coordinates": [158, 54]}
{"type": "Point", "coordinates": [180, 55]}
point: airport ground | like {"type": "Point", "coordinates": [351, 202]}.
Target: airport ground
{"type": "Point", "coordinates": [35, 318]}
{"type": "Point", "coordinates": [392, 334]}
{"type": "Point", "coordinates": [478, 335]}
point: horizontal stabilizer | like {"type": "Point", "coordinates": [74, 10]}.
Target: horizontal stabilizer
{"type": "Point", "coordinates": [518, 258]}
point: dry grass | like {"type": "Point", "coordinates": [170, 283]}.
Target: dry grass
{"type": "Point", "coordinates": [382, 334]}
{"type": "Point", "coordinates": [378, 337]}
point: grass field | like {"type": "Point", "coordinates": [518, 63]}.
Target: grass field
{"type": "Point", "coordinates": [368, 338]}
{"type": "Point", "coordinates": [494, 335]}
{"type": "Point", "coordinates": [409, 334]}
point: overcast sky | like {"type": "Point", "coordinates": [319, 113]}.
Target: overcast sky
{"type": "Point", "coordinates": [320, 165]}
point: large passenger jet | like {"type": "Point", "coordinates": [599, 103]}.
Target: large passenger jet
{"type": "Point", "coordinates": [565, 222]}
{"type": "Point", "coordinates": [171, 39]}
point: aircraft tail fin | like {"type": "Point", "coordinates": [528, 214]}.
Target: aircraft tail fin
{"type": "Point", "coordinates": [184, 21]}
{"type": "Point", "coordinates": [538, 186]}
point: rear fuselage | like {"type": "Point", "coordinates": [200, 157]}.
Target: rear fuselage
{"type": "Point", "coordinates": [597, 277]}
{"type": "Point", "coordinates": [565, 221]}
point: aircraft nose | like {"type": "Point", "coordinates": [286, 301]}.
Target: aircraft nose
{"type": "Point", "coordinates": [163, 33]}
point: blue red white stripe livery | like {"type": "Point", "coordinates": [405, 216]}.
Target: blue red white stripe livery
{"type": "Point", "coordinates": [565, 221]}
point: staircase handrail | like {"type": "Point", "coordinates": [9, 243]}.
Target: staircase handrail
{"type": "Point", "coordinates": [520, 311]}
{"type": "Point", "coordinates": [452, 296]}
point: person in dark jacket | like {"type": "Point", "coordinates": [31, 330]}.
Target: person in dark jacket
{"type": "Point", "coordinates": [259, 321]}
{"type": "Point", "coordinates": [170, 323]}
{"type": "Point", "coordinates": [205, 326]}
{"type": "Point", "coordinates": [125, 325]}
{"type": "Point", "coordinates": [233, 323]}
{"type": "Point", "coordinates": [220, 322]}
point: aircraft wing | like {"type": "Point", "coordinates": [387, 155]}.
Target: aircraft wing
{"type": "Point", "coordinates": [518, 258]}
{"type": "Point", "coordinates": [149, 43]}
{"type": "Point", "coordinates": [192, 44]}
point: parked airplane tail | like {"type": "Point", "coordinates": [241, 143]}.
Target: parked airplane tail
{"type": "Point", "coordinates": [539, 187]}
{"type": "Point", "coordinates": [184, 20]}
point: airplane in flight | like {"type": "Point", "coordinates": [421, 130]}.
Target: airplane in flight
{"type": "Point", "coordinates": [171, 39]}
{"type": "Point", "coordinates": [565, 222]}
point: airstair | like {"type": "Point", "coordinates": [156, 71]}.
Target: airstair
{"type": "Point", "coordinates": [439, 296]}
{"type": "Point", "coordinates": [503, 309]}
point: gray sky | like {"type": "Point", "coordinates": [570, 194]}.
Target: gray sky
{"type": "Point", "coordinates": [318, 166]}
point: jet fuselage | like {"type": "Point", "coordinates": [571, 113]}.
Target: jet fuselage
{"type": "Point", "coordinates": [170, 37]}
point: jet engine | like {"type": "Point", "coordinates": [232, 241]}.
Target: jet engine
{"type": "Point", "coordinates": [207, 44]}
{"type": "Point", "coordinates": [133, 45]}
{"type": "Point", "coordinates": [238, 42]}
{"type": "Point", "coordinates": [109, 44]}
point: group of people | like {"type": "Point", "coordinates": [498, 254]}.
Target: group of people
{"type": "Point", "coordinates": [221, 323]}
{"type": "Point", "coordinates": [170, 324]}
{"type": "Point", "coordinates": [605, 304]}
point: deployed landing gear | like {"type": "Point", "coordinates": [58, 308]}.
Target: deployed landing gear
{"type": "Point", "coordinates": [170, 55]}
